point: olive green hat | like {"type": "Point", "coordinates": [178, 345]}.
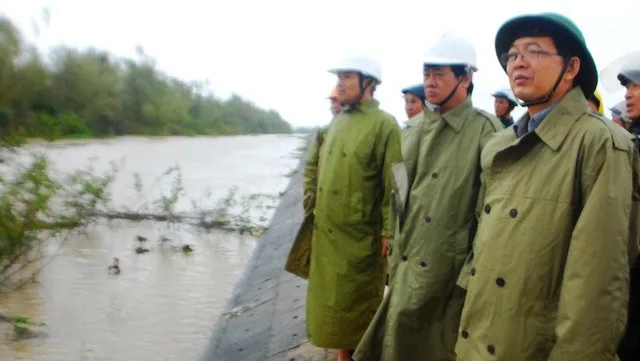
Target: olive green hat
{"type": "Point", "coordinates": [565, 31]}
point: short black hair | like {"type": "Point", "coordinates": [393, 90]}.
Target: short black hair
{"type": "Point", "coordinates": [461, 70]}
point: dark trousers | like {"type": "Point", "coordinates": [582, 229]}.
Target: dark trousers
{"type": "Point", "coordinates": [629, 349]}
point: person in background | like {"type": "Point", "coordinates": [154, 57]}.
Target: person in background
{"type": "Point", "coordinates": [595, 102]}
{"type": "Point", "coordinates": [548, 275]}
{"type": "Point", "coordinates": [336, 107]}
{"type": "Point", "coordinates": [503, 105]}
{"type": "Point", "coordinates": [419, 316]}
{"type": "Point", "coordinates": [352, 212]}
{"type": "Point", "coordinates": [618, 117]}
{"type": "Point", "coordinates": [414, 102]}
{"type": "Point", "coordinates": [630, 78]}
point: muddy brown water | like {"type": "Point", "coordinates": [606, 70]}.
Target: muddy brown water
{"type": "Point", "coordinates": [164, 303]}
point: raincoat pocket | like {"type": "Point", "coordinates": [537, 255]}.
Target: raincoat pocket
{"type": "Point", "coordinates": [424, 281]}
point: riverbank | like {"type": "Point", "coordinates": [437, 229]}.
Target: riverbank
{"type": "Point", "coordinates": [265, 317]}
{"type": "Point", "coordinates": [86, 138]}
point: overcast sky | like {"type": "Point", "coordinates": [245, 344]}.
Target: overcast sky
{"type": "Point", "coordinates": [276, 53]}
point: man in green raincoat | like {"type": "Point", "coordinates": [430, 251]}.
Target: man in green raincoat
{"type": "Point", "coordinates": [352, 212]}
{"type": "Point", "coordinates": [549, 273]}
{"type": "Point", "coordinates": [418, 319]}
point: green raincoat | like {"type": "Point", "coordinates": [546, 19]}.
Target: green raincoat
{"type": "Point", "coordinates": [299, 257]}
{"type": "Point", "coordinates": [557, 230]}
{"type": "Point", "coordinates": [347, 274]}
{"type": "Point", "coordinates": [418, 319]}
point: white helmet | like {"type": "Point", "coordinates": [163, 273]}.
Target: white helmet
{"type": "Point", "coordinates": [452, 50]}
{"type": "Point", "coordinates": [366, 66]}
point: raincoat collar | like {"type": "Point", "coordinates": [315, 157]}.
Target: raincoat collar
{"type": "Point", "coordinates": [365, 105]}
{"type": "Point", "coordinates": [556, 125]}
{"type": "Point", "coordinates": [507, 121]}
{"type": "Point", "coordinates": [457, 116]}
{"type": "Point", "coordinates": [414, 120]}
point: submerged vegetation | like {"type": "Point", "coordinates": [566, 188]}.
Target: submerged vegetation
{"type": "Point", "coordinates": [38, 210]}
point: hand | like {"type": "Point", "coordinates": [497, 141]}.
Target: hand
{"type": "Point", "coordinates": [385, 247]}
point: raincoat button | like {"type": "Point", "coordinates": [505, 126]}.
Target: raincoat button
{"type": "Point", "coordinates": [434, 175]}
{"type": "Point", "coordinates": [473, 271]}
{"type": "Point", "coordinates": [491, 349]}
{"type": "Point", "coordinates": [319, 189]}
{"type": "Point", "coordinates": [513, 213]}
{"type": "Point", "coordinates": [487, 208]}
{"type": "Point", "coordinates": [343, 154]}
{"type": "Point", "coordinates": [423, 264]}
{"type": "Point", "coordinates": [465, 334]}
{"type": "Point", "coordinates": [500, 282]}
{"type": "Point", "coordinates": [427, 219]}
{"type": "Point", "coordinates": [404, 258]}
{"type": "Point", "coordinates": [335, 192]}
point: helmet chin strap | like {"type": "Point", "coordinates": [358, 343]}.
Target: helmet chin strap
{"type": "Point", "coordinates": [451, 94]}
{"type": "Point", "coordinates": [549, 95]}
{"type": "Point", "coordinates": [363, 88]}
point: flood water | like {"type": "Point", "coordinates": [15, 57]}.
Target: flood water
{"type": "Point", "coordinates": [164, 303]}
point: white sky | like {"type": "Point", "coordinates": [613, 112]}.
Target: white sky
{"type": "Point", "coordinates": [276, 53]}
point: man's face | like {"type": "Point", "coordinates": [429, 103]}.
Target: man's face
{"type": "Point", "coordinates": [439, 81]}
{"type": "Point", "coordinates": [335, 106]}
{"type": "Point", "coordinates": [412, 105]}
{"type": "Point", "coordinates": [348, 87]}
{"type": "Point", "coordinates": [501, 106]}
{"type": "Point", "coordinates": [533, 66]}
{"type": "Point", "coordinates": [632, 99]}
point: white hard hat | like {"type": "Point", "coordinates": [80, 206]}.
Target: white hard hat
{"type": "Point", "coordinates": [451, 49]}
{"type": "Point", "coordinates": [366, 66]}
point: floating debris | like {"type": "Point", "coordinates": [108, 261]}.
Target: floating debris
{"type": "Point", "coordinates": [237, 311]}
{"type": "Point", "coordinates": [141, 250]}
{"type": "Point", "coordinates": [114, 269]}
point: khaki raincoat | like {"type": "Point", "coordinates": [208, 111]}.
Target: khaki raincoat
{"type": "Point", "coordinates": [347, 274]}
{"type": "Point", "coordinates": [557, 231]}
{"type": "Point", "coordinates": [299, 257]}
{"type": "Point", "coordinates": [418, 319]}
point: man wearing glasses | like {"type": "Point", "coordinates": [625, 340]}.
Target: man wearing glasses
{"type": "Point", "coordinates": [548, 276]}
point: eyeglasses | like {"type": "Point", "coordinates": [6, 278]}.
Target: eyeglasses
{"type": "Point", "coordinates": [527, 55]}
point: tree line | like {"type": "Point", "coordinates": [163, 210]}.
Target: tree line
{"type": "Point", "coordinates": [91, 93]}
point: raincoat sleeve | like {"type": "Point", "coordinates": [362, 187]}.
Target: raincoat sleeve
{"type": "Point", "coordinates": [411, 150]}
{"type": "Point", "coordinates": [311, 172]}
{"type": "Point", "coordinates": [387, 153]}
{"type": "Point", "coordinates": [465, 274]}
{"type": "Point", "coordinates": [593, 294]}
